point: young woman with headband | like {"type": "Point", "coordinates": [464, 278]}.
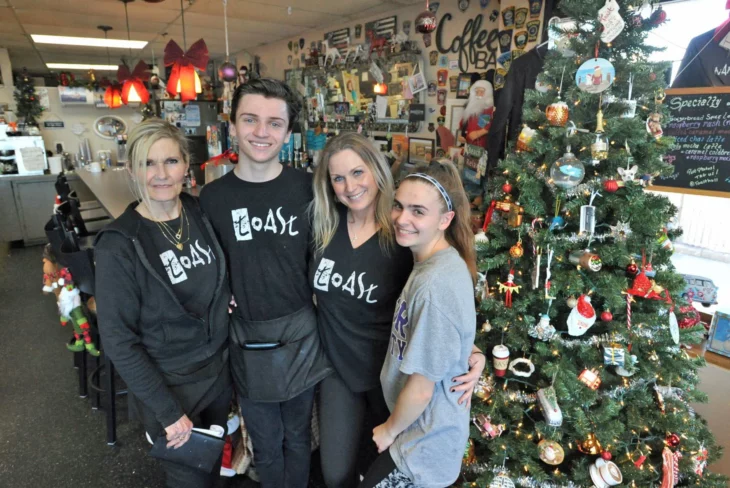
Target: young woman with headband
{"type": "Point", "coordinates": [422, 441]}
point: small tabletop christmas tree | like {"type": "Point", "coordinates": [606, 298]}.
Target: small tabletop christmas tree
{"type": "Point", "coordinates": [588, 383]}
{"type": "Point", "coordinates": [26, 99]}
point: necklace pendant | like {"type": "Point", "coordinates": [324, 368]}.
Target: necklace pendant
{"type": "Point", "coordinates": [178, 235]}
{"type": "Point", "coordinates": [179, 246]}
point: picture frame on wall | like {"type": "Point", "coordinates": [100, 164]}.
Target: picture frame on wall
{"type": "Point", "coordinates": [420, 151]}
{"type": "Point", "coordinates": [719, 338]}
{"type": "Point", "coordinates": [464, 84]}
{"type": "Point", "coordinates": [456, 110]}
{"type": "Point", "coordinates": [382, 143]}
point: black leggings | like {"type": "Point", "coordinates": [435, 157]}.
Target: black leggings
{"type": "Point", "coordinates": [384, 474]}
{"type": "Point", "coordinates": [346, 420]}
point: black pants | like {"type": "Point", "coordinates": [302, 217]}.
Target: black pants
{"type": "Point", "coordinates": [281, 438]}
{"type": "Point", "coordinates": [179, 476]}
{"type": "Point", "coordinates": [346, 420]}
{"type": "Point", "coordinates": [384, 474]}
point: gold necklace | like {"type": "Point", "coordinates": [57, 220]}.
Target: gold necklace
{"type": "Point", "coordinates": [172, 237]}
{"type": "Point", "coordinates": [178, 234]}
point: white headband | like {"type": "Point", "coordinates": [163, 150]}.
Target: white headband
{"type": "Point", "coordinates": [438, 186]}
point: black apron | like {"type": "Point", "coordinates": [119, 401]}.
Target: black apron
{"type": "Point", "coordinates": [291, 362]}
{"type": "Point", "coordinates": [195, 387]}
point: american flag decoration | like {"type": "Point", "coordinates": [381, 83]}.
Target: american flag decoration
{"type": "Point", "coordinates": [383, 28]}
{"type": "Point", "coordinates": [339, 39]}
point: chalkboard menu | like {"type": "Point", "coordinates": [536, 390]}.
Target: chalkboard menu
{"type": "Point", "coordinates": [700, 124]}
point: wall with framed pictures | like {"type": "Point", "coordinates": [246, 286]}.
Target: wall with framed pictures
{"type": "Point", "coordinates": [472, 40]}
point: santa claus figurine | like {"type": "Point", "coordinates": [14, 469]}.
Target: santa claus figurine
{"type": "Point", "coordinates": [478, 113]}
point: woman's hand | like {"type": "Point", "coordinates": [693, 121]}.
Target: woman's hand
{"type": "Point", "coordinates": [179, 432]}
{"type": "Point", "coordinates": [382, 437]}
{"type": "Point", "coordinates": [468, 381]}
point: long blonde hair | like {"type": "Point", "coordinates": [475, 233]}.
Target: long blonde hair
{"type": "Point", "coordinates": [140, 140]}
{"type": "Point", "coordinates": [459, 234]}
{"type": "Point", "coordinates": [323, 208]}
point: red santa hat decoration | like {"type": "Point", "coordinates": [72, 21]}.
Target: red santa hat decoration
{"type": "Point", "coordinates": [582, 317]}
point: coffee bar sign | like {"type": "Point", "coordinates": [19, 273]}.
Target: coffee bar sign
{"type": "Point", "coordinates": [477, 47]}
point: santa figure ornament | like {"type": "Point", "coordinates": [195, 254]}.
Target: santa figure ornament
{"type": "Point", "coordinates": [477, 118]}
{"type": "Point", "coordinates": [582, 317]}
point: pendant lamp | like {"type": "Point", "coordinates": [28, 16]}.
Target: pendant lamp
{"type": "Point", "coordinates": [113, 95]}
{"type": "Point", "coordinates": [113, 92]}
{"type": "Point", "coordinates": [183, 77]}
{"type": "Point", "coordinates": [133, 89]}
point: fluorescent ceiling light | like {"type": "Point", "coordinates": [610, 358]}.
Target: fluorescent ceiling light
{"type": "Point", "coordinates": [88, 41]}
{"type": "Point", "coordinates": [98, 67]}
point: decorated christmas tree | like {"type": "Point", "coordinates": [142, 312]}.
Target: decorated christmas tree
{"type": "Point", "coordinates": [587, 383]}
{"type": "Point", "coordinates": [28, 105]}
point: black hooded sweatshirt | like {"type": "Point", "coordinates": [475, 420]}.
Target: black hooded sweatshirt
{"type": "Point", "coordinates": [174, 361]}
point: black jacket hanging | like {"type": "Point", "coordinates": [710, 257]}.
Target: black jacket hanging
{"type": "Point", "coordinates": [705, 63]}
{"type": "Point", "coordinates": [508, 113]}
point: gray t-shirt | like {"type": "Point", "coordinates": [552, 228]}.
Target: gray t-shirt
{"type": "Point", "coordinates": [432, 335]}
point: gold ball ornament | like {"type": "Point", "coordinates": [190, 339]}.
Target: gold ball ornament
{"type": "Point", "coordinates": [516, 251]}
{"type": "Point", "coordinates": [550, 452]}
{"type": "Point", "coordinates": [484, 387]}
{"type": "Point", "coordinates": [590, 446]}
{"type": "Point", "coordinates": [571, 302]}
{"type": "Point", "coordinates": [486, 326]}
{"type": "Point", "coordinates": [557, 113]}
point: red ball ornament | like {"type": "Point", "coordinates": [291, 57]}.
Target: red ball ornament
{"type": "Point", "coordinates": [673, 440]}
{"type": "Point", "coordinates": [606, 316]}
{"type": "Point", "coordinates": [233, 157]}
{"type": "Point", "coordinates": [611, 186]}
{"type": "Point", "coordinates": [632, 269]}
{"type": "Point", "coordinates": [658, 17]}
{"type": "Point", "coordinates": [507, 188]}
{"type": "Point", "coordinates": [606, 455]}
{"type": "Point", "coordinates": [426, 22]}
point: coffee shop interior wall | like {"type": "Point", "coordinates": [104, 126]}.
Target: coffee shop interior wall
{"type": "Point", "coordinates": [68, 114]}
{"type": "Point", "coordinates": [273, 57]}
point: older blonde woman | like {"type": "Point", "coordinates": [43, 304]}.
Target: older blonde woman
{"type": "Point", "coordinates": [162, 298]}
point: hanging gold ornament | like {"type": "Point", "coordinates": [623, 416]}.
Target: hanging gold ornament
{"type": "Point", "coordinates": [557, 113]}
{"type": "Point", "coordinates": [516, 251]}
{"type": "Point", "coordinates": [484, 387]}
{"type": "Point", "coordinates": [590, 445]}
{"type": "Point", "coordinates": [469, 455]}
{"type": "Point", "coordinates": [599, 146]}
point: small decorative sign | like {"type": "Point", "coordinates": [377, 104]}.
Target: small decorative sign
{"type": "Point", "coordinates": [54, 124]}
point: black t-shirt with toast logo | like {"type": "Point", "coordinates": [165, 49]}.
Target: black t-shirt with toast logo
{"type": "Point", "coordinates": [193, 271]}
{"type": "Point", "coordinates": [356, 292]}
{"type": "Point", "coordinates": [265, 233]}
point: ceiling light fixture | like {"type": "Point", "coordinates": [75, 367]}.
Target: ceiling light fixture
{"type": "Point", "coordinates": [183, 77]}
{"type": "Point", "coordinates": [86, 67]}
{"type": "Point", "coordinates": [133, 89]}
{"type": "Point", "coordinates": [88, 41]}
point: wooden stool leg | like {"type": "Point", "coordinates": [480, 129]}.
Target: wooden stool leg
{"type": "Point", "coordinates": [111, 413]}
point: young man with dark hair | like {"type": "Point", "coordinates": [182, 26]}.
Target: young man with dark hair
{"type": "Point", "coordinates": [259, 214]}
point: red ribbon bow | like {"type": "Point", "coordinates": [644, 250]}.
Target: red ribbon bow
{"type": "Point", "coordinates": [134, 79]}
{"type": "Point", "coordinates": [183, 67]}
